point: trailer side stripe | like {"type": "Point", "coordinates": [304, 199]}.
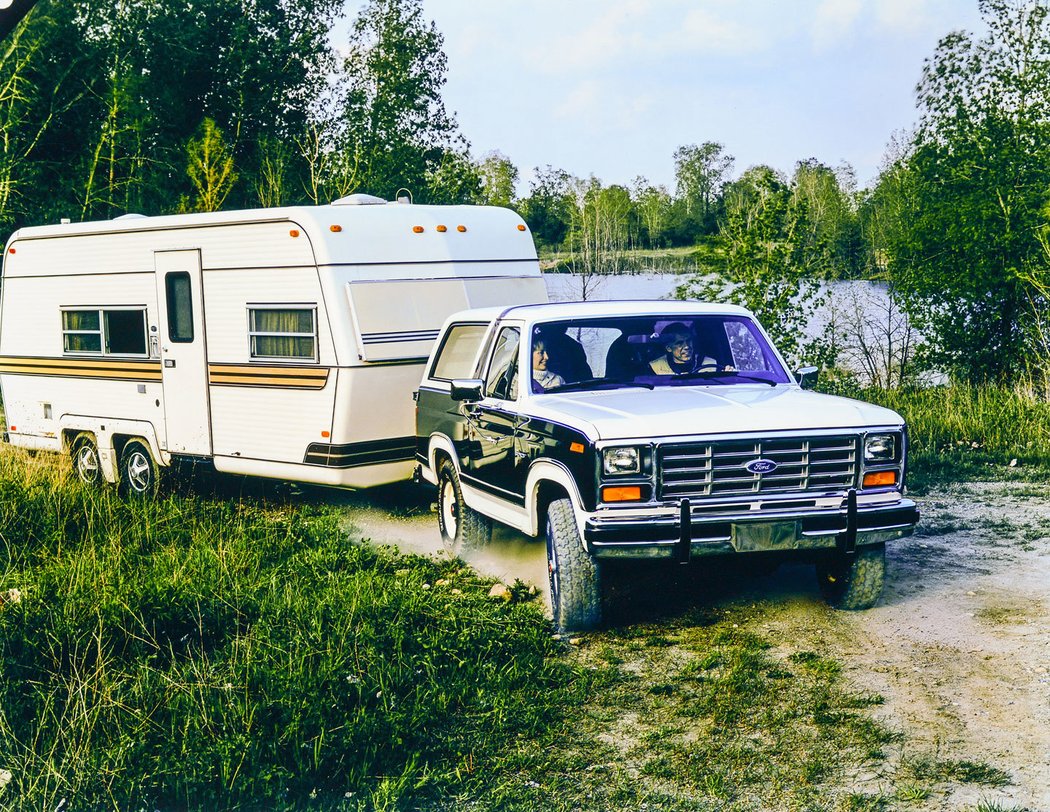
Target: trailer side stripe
{"type": "Point", "coordinates": [122, 369]}
{"type": "Point", "coordinates": [267, 376]}
{"type": "Point", "coordinates": [352, 455]}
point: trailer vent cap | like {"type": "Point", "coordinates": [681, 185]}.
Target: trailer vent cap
{"type": "Point", "coordinates": [129, 216]}
{"type": "Point", "coordinates": [359, 199]}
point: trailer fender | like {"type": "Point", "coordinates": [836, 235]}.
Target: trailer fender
{"type": "Point", "coordinates": [110, 437]}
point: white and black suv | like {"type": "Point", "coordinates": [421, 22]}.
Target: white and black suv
{"type": "Point", "coordinates": [654, 430]}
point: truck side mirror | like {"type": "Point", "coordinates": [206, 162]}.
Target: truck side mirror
{"type": "Point", "coordinates": [807, 377]}
{"type": "Point", "coordinates": [467, 390]}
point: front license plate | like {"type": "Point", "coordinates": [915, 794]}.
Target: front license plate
{"type": "Point", "coordinates": [765, 536]}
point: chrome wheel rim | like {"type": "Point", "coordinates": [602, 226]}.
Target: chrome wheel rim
{"type": "Point", "coordinates": [449, 508]}
{"type": "Point", "coordinates": [139, 473]}
{"type": "Point", "coordinates": [87, 464]}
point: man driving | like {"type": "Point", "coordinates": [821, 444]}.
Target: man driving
{"type": "Point", "coordinates": [680, 356]}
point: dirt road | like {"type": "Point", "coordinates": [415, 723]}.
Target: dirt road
{"type": "Point", "coordinates": [959, 646]}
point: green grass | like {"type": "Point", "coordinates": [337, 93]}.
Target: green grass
{"type": "Point", "coordinates": [959, 433]}
{"type": "Point", "coordinates": [202, 652]}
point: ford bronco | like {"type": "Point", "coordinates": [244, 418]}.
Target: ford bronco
{"type": "Point", "coordinates": [648, 430]}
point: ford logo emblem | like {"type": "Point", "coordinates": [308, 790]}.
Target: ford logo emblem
{"type": "Point", "coordinates": [761, 466]}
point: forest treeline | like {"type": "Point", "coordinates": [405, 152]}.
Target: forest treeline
{"type": "Point", "coordinates": [196, 105]}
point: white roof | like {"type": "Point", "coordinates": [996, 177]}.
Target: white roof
{"type": "Point", "coordinates": [363, 233]}
{"type": "Point", "coordinates": [557, 311]}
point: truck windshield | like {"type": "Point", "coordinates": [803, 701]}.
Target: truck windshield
{"type": "Point", "coordinates": [632, 351]}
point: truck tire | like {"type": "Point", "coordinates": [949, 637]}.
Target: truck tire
{"type": "Point", "coordinates": [855, 581]}
{"type": "Point", "coordinates": [575, 577]}
{"type": "Point", "coordinates": [139, 474]}
{"type": "Point", "coordinates": [463, 529]}
{"type": "Point", "coordinates": [87, 465]}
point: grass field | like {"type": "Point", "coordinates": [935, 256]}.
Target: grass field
{"type": "Point", "coordinates": [213, 651]}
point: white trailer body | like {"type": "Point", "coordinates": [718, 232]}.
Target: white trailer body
{"type": "Point", "coordinates": [280, 343]}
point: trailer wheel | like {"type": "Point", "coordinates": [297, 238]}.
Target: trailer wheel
{"type": "Point", "coordinates": [139, 475]}
{"type": "Point", "coordinates": [853, 582]}
{"type": "Point", "coordinates": [87, 466]}
{"type": "Point", "coordinates": [463, 529]}
{"type": "Point", "coordinates": [575, 578]}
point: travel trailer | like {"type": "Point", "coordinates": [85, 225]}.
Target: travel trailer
{"type": "Point", "coordinates": [280, 343]}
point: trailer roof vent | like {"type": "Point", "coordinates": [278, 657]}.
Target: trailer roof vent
{"type": "Point", "coordinates": [131, 216]}
{"type": "Point", "coordinates": [359, 200]}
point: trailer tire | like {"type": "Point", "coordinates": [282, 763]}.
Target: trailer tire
{"type": "Point", "coordinates": [575, 577]}
{"type": "Point", "coordinates": [139, 473]}
{"type": "Point", "coordinates": [87, 464]}
{"type": "Point", "coordinates": [463, 529]}
{"type": "Point", "coordinates": [853, 582]}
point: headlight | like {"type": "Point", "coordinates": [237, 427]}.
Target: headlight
{"type": "Point", "coordinates": [880, 448]}
{"type": "Point", "coordinates": [622, 460]}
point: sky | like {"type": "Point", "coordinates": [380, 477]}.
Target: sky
{"type": "Point", "coordinates": [613, 87]}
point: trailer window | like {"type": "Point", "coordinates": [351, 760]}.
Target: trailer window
{"type": "Point", "coordinates": [180, 307]}
{"type": "Point", "coordinates": [456, 357]}
{"type": "Point", "coordinates": [283, 332]}
{"type": "Point", "coordinates": [105, 331]}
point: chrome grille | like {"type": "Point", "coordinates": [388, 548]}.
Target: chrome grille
{"type": "Point", "coordinates": [717, 468]}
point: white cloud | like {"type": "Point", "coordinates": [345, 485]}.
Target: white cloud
{"type": "Point", "coordinates": [833, 21]}
{"type": "Point", "coordinates": [903, 16]}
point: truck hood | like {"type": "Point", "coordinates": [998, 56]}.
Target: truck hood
{"type": "Point", "coordinates": [624, 414]}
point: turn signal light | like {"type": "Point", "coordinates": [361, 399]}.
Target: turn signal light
{"type": "Point", "coordinates": [622, 493]}
{"type": "Point", "coordinates": [879, 479]}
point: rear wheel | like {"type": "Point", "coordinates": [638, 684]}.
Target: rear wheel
{"type": "Point", "coordinates": [87, 465]}
{"type": "Point", "coordinates": [463, 529]}
{"type": "Point", "coordinates": [575, 578]}
{"type": "Point", "coordinates": [853, 581]}
{"type": "Point", "coordinates": [139, 475]}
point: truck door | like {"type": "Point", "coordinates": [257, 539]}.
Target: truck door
{"type": "Point", "coordinates": [183, 352]}
{"type": "Point", "coordinates": [493, 422]}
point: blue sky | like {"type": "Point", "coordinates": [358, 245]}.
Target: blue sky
{"type": "Point", "coordinates": [613, 87]}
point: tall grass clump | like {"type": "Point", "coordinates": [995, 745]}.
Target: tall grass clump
{"type": "Point", "coordinates": [966, 431]}
{"type": "Point", "coordinates": [207, 654]}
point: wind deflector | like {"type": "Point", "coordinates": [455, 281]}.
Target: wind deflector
{"type": "Point", "coordinates": [396, 320]}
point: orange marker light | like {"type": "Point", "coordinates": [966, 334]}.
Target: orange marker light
{"type": "Point", "coordinates": [417, 229]}
{"type": "Point", "coordinates": [461, 228]}
{"type": "Point", "coordinates": [14, 428]}
{"type": "Point", "coordinates": [293, 233]}
{"type": "Point", "coordinates": [622, 493]}
{"type": "Point", "coordinates": [878, 479]}
{"type": "Point", "coordinates": [11, 250]}
{"type": "Point", "coordinates": [326, 434]}
{"type": "Point", "coordinates": [521, 226]}
{"type": "Point", "coordinates": [442, 229]}
{"type": "Point", "coordinates": [576, 448]}
{"type": "Point", "coordinates": [335, 228]}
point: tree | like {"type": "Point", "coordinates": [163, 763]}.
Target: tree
{"type": "Point", "coordinates": [210, 167]}
{"type": "Point", "coordinates": [653, 206]}
{"type": "Point", "coordinates": [550, 205]}
{"type": "Point", "coordinates": [700, 172]}
{"type": "Point", "coordinates": [394, 116]}
{"type": "Point", "coordinates": [979, 178]}
{"type": "Point", "coordinates": [766, 234]}
{"type": "Point", "coordinates": [499, 177]}
{"type": "Point", "coordinates": [599, 233]}
{"type": "Point", "coordinates": [829, 197]}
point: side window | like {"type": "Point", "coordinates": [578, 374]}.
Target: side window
{"type": "Point", "coordinates": [283, 333]}
{"type": "Point", "coordinates": [747, 354]}
{"type": "Point", "coordinates": [180, 307]}
{"type": "Point", "coordinates": [501, 380]}
{"type": "Point", "coordinates": [455, 359]}
{"type": "Point", "coordinates": [105, 331]}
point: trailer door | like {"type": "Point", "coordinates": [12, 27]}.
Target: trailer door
{"type": "Point", "coordinates": [183, 352]}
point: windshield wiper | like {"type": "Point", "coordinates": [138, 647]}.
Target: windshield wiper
{"type": "Point", "coordinates": [586, 383]}
{"type": "Point", "coordinates": [712, 373]}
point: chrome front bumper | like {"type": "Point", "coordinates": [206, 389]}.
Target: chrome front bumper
{"type": "Point", "coordinates": [694, 531]}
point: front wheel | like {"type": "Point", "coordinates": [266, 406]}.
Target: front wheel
{"type": "Point", "coordinates": [854, 581]}
{"type": "Point", "coordinates": [575, 578]}
{"type": "Point", "coordinates": [139, 475]}
{"type": "Point", "coordinates": [87, 466]}
{"type": "Point", "coordinates": [463, 529]}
